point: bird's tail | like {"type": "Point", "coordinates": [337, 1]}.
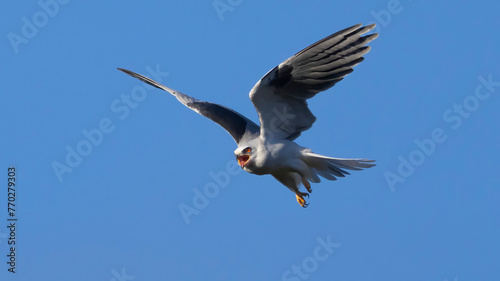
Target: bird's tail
{"type": "Point", "coordinates": [331, 168]}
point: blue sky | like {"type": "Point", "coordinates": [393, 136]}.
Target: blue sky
{"type": "Point", "coordinates": [424, 104]}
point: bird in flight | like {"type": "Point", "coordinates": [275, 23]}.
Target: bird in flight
{"type": "Point", "coordinates": [280, 98]}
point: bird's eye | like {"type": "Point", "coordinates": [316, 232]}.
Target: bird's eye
{"type": "Point", "coordinates": [246, 150]}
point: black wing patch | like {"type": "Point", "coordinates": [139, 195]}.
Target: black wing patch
{"type": "Point", "coordinates": [235, 124]}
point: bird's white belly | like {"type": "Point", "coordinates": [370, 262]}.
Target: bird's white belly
{"type": "Point", "coordinates": [275, 158]}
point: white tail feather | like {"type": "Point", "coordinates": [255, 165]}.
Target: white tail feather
{"type": "Point", "coordinates": [331, 168]}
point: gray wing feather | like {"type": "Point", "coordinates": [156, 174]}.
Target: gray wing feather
{"type": "Point", "coordinates": [312, 70]}
{"type": "Point", "coordinates": [234, 123]}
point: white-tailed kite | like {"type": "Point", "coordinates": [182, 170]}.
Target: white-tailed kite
{"type": "Point", "coordinates": [280, 98]}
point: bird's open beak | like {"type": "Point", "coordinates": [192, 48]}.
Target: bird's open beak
{"type": "Point", "coordinates": [242, 160]}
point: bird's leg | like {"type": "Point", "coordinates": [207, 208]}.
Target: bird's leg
{"type": "Point", "coordinates": [300, 198]}
{"type": "Point", "coordinates": [307, 185]}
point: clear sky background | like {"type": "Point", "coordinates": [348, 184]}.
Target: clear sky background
{"type": "Point", "coordinates": [424, 104]}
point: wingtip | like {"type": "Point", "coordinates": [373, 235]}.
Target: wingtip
{"type": "Point", "coordinates": [368, 28]}
{"type": "Point", "coordinates": [371, 37]}
{"type": "Point", "coordinates": [126, 71]}
{"type": "Point", "coordinates": [371, 26]}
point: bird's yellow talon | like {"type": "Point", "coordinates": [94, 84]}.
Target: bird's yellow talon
{"type": "Point", "coordinates": [301, 200]}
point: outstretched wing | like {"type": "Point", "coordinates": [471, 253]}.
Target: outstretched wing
{"type": "Point", "coordinates": [238, 126]}
{"type": "Point", "coordinates": [280, 96]}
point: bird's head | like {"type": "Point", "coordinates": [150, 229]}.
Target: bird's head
{"type": "Point", "coordinates": [244, 155]}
